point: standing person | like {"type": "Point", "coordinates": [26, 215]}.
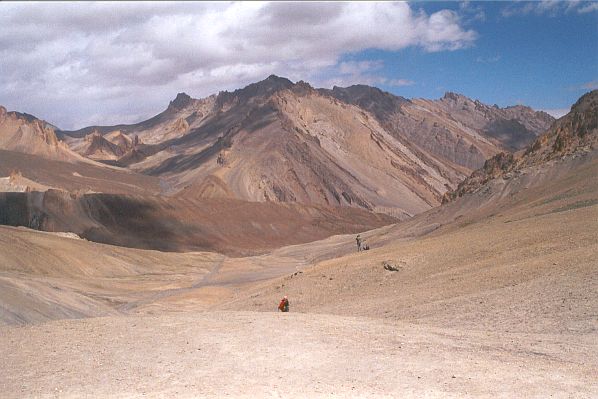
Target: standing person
{"type": "Point", "coordinates": [283, 306]}
{"type": "Point", "coordinates": [358, 239]}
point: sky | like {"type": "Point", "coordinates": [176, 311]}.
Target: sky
{"type": "Point", "coordinates": [77, 64]}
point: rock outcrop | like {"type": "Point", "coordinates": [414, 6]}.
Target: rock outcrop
{"type": "Point", "coordinates": [30, 135]}
{"type": "Point", "coordinates": [576, 132]}
{"type": "Point", "coordinates": [103, 147]}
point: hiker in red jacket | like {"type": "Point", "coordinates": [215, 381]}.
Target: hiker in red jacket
{"type": "Point", "coordinates": [283, 306]}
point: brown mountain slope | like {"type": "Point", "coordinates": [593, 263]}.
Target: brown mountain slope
{"type": "Point", "coordinates": [77, 177]}
{"type": "Point", "coordinates": [279, 141]}
{"type": "Point", "coordinates": [454, 129]}
{"type": "Point", "coordinates": [100, 148]}
{"type": "Point", "coordinates": [575, 133]}
{"type": "Point", "coordinates": [513, 127]}
{"type": "Point", "coordinates": [295, 145]}
{"type": "Point", "coordinates": [517, 255]}
{"type": "Point", "coordinates": [26, 134]}
{"type": "Point", "coordinates": [504, 249]}
{"type": "Point", "coordinates": [530, 234]}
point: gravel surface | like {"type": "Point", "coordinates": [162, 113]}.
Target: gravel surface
{"type": "Point", "coordinates": [249, 355]}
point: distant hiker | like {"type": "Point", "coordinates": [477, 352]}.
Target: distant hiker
{"type": "Point", "coordinates": [366, 247]}
{"type": "Point", "coordinates": [220, 159]}
{"type": "Point", "coordinates": [283, 306]}
{"type": "Point", "coordinates": [358, 239]}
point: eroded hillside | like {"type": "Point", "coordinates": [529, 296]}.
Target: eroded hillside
{"type": "Point", "coordinates": [280, 141]}
{"type": "Point", "coordinates": [574, 134]}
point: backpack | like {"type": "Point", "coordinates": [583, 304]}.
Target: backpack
{"type": "Point", "coordinates": [283, 305]}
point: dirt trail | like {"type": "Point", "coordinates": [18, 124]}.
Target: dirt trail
{"type": "Point", "coordinates": [273, 355]}
{"type": "Point", "coordinates": [160, 295]}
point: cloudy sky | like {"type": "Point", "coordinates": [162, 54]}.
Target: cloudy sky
{"type": "Point", "coordinates": [77, 64]}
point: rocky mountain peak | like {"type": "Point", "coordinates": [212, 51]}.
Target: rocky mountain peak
{"type": "Point", "coordinates": [456, 100]}
{"type": "Point", "coordinates": [302, 87]}
{"type": "Point", "coordinates": [180, 102]}
{"type": "Point", "coordinates": [267, 86]}
{"type": "Point", "coordinates": [261, 89]}
{"type": "Point", "coordinates": [277, 80]}
{"type": "Point", "coordinates": [579, 128]}
{"type": "Point", "coordinates": [380, 103]}
{"type": "Point", "coordinates": [588, 101]}
{"type": "Point", "coordinates": [449, 95]}
{"type": "Point", "coordinates": [360, 93]}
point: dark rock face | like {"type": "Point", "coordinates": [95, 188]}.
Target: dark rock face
{"type": "Point", "coordinates": [180, 101]}
{"type": "Point", "coordinates": [380, 103]}
{"type": "Point", "coordinates": [493, 168]}
{"type": "Point", "coordinates": [512, 133]}
{"type": "Point", "coordinates": [261, 89]}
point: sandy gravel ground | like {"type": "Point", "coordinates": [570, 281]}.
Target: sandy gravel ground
{"type": "Point", "coordinates": [500, 301]}
{"type": "Point", "coordinates": [249, 355]}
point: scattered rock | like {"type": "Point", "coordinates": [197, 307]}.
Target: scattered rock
{"type": "Point", "coordinates": [390, 267]}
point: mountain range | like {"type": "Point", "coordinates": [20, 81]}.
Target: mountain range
{"type": "Point", "coordinates": [184, 231]}
{"type": "Point", "coordinates": [291, 147]}
{"type": "Point", "coordinates": [287, 142]}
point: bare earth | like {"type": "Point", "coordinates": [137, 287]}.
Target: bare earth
{"type": "Point", "coordinates": [498, 301]}
{"type": "Point", "coordinates": [248, 355]}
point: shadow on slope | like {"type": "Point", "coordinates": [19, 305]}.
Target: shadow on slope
{"type": "Point", "coordinates": [170, 224]}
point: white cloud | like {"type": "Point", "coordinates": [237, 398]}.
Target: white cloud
{"type": "Point", "coordinates": [588, 7]}
{"type": "Point", "coordinates": [551, 8]}
{"type": "Point", "coordinates": [345, 81]}
{"type": "Point", "coordinates": [71, 63]}
{"type": "Point", "coordinates": [349, 73]}
{"type": "Point", "coordinates": [471, 12]}
{"type": "Point", "coordinates": [359, 67]}
{"type": "Point", "coordinates": [400, 82]}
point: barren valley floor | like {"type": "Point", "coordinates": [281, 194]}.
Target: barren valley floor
{"type": "Point", "coordinates": [499, 307]}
